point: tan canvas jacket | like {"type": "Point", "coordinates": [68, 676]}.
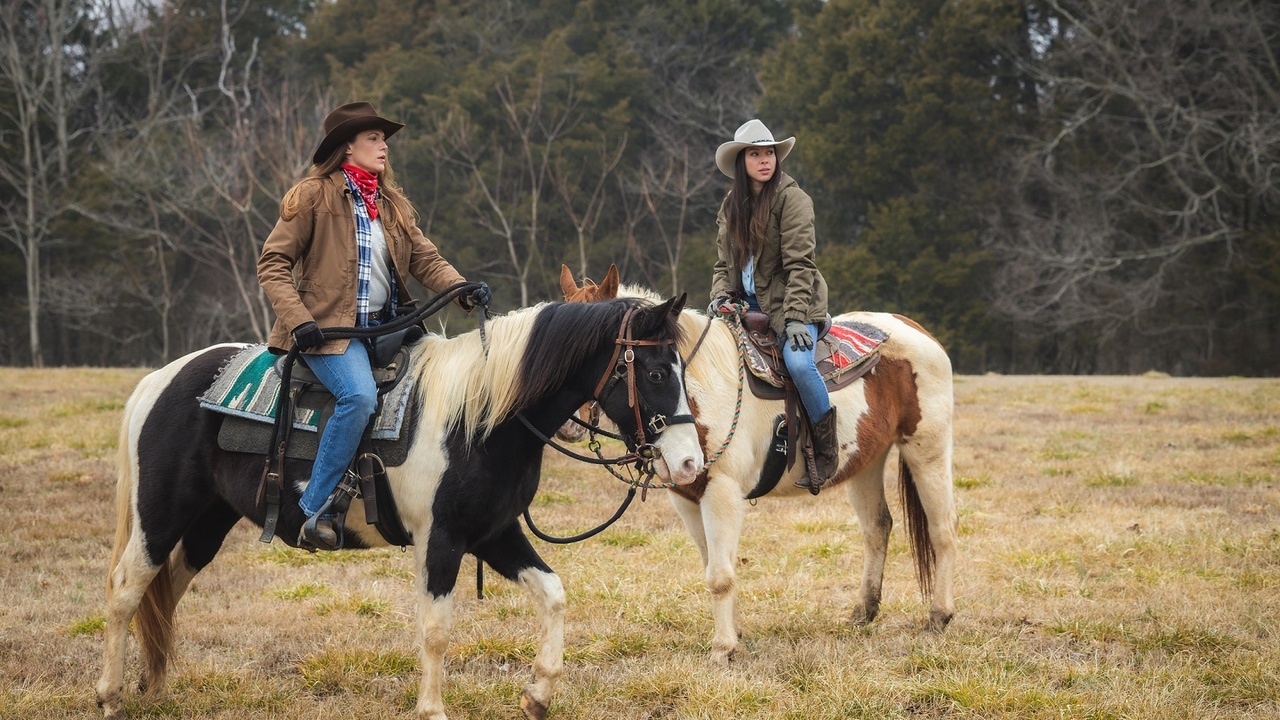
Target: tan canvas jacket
{"type": "Point", "coordinates": [309, 263]}
{"type": "Point", "coordinates": [788, 283]}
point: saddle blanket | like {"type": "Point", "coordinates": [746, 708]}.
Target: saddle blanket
{"type": "Point", "coordinates": [847, 345]}
{"type": "Point", "coordinates": [248, 387]}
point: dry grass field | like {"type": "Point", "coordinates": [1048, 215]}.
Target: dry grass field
{"type": "Point", "coordinates": [1120, 558]}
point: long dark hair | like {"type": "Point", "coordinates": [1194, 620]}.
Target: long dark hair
{"type": "Point", "coordinates": [747, 215]}
{"type": "Point", "coordinates": [399, 211]}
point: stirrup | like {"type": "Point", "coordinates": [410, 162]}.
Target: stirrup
{"type": "Point", "coordinates": [310, 536]}
{"type": "Point", "coordinates": [334, 510]}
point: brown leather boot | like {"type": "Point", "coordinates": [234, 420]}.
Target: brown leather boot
{"type": "Point", "coordinates": [319, 533]}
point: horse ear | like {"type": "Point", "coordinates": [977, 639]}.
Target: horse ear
{"type": "Point", "coordinates": [608, 288]}
{"type": "Point", "coordinates": [679, 303]}
{"type": "Point", "coordinates": [567, 285]}
{"type": "Point", "coordinates": [649, 321]}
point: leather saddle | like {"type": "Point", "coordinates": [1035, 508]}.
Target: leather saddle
{"type": "Point", "coordinates": [390, 357]}
{"type": "Point", "coordinates": [769, 379]}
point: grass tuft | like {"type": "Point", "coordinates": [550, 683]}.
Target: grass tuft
{"type": "Point", "coordinates": [969, 482]}
{"type": "Point", "coordinates": [353, 670]}
{"type": "Point", "coordinates": [1109, 480]}
{"type": "Point", "coordinates": [301, 592]}
{"type": "Point", "coordinates": [91, 625]}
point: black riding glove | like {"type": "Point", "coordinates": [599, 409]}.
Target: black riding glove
{"type": "Point", "coordinates": [480, 295]}
{"type": "Point", "coordinates": [798, 335]}
{"type": "Point", "coordinates": [307, 336]}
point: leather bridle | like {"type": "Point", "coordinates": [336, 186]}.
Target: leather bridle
{"type": "Point", "coordinates": [615, 370]}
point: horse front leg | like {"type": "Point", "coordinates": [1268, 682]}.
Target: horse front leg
{"type": "Point", "coordinates": [439, 562]}
{"type": "Point", "coordinates": [510, 555]}
{"type": "Point", "coordinates": [691, 514]}
{"type": "Point", "coordinates": [723, 511]}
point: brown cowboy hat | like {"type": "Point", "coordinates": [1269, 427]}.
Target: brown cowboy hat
{"type": "Point", "coordinates": [347, 120]}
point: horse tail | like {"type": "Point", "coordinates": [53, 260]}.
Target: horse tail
{"type": "Point", "coordinates": [154, 625]}
{"type": "Point", "coordinates": [917, 527]}
{"type": "Point", "coordinates": [124, 497]}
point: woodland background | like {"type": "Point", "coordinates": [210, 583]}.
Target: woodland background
{"type": "Point", "coordinates": [1060, 186]}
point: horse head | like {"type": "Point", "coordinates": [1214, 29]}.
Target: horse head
{"type": "Point", "coordinates": [641, 389]}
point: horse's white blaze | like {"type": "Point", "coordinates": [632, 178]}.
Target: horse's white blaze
{"type": "Point", "coordinates": [681, 452]}
{"type": "Point", "coordinates": [549, 602]}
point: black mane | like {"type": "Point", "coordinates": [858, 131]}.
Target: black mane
{"type": "Point", "coordinates": [565, 335]}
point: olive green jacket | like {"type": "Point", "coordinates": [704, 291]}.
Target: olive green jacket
{"type": "Point", "coordinates": [309, 263]}
{"type": "Point", "coordinates": [788, 283]}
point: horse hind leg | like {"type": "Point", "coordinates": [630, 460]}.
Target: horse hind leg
{"type": "Point", "coordinates": [929, 504]}
{"type": "Point", "coordinates": [128, 583]}
{"type": "Point", "coordinates": [866, 492]}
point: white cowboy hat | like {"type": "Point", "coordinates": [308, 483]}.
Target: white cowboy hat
{"type": "Point", "coordinates": [752, 133]}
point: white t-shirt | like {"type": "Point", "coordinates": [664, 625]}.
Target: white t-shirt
{"type": "Point", "coordinates": [380, 269]}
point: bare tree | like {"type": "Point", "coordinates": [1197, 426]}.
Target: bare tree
{"type": "Point", "coordinates": [44, 65]}
{"type": "Point", "coordinates": [198, 178]}
{"type": "Point", "coordinates": [569, 185]}
{"type": "Point", "coordinates": [508, 183]}
{"type": "Point", "coordinates": [1164, 156]}
{"type": "Point", "coordinates": [706, 94]}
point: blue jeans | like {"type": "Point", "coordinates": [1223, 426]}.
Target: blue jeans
{"type": "Point", "coordinates": [803, 369]}
{"type": "Point", "coordinates": [350, 379]}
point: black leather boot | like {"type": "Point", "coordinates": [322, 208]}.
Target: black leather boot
{"type": "Point", "coordinates": [822, 459]}
{"type": "Point", "coordinates": [826, 446]}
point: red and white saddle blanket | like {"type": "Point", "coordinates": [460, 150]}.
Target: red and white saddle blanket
{"type": "Point", "coordinates": [847, 346]}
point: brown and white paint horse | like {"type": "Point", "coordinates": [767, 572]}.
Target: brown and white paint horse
{"type": "Point", "coordinates": [472, 469]}
{"type": "Point", "coordinates": [904, 402]}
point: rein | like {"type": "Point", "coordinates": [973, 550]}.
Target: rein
{"type": "Point", "coordinates": [644, 454]}
{"type": "Point", "coordinates": [736, 319]}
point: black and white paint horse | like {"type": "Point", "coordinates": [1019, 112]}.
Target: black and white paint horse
{"type": "Point", "coordinates": [471, 470]}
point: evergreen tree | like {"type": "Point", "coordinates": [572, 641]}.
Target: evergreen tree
{"type": "Point", "coordinates": [901, 109]}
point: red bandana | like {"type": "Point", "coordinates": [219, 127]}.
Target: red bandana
{"type": "Point", "coordinates": [367, 183]}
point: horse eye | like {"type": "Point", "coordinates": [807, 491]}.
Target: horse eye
{"type": "Point", "coordinates": [657, 376]}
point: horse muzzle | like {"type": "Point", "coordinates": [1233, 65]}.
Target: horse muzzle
{"type": "Point", "coordinates": [679, 456]}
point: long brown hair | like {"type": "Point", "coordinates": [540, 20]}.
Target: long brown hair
{"type": "Point", "coordinates": [747, 215]}
{"type": "Point", "coordinates": [398, 208]}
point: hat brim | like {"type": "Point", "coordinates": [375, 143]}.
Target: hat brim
{"type": "Point", "coordinates": [727, 153]}
{"type": "Point", "coordinates": [344, 131]}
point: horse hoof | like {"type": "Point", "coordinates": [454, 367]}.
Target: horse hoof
{"type": "Point", "coordinates": [938, 621]}
{"type": "Point", "coordinates": [532, 709]}
{"type": "Point", "coordinates": [864, 614]}
{"type": "Point", "coordinates": [722, 658]}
